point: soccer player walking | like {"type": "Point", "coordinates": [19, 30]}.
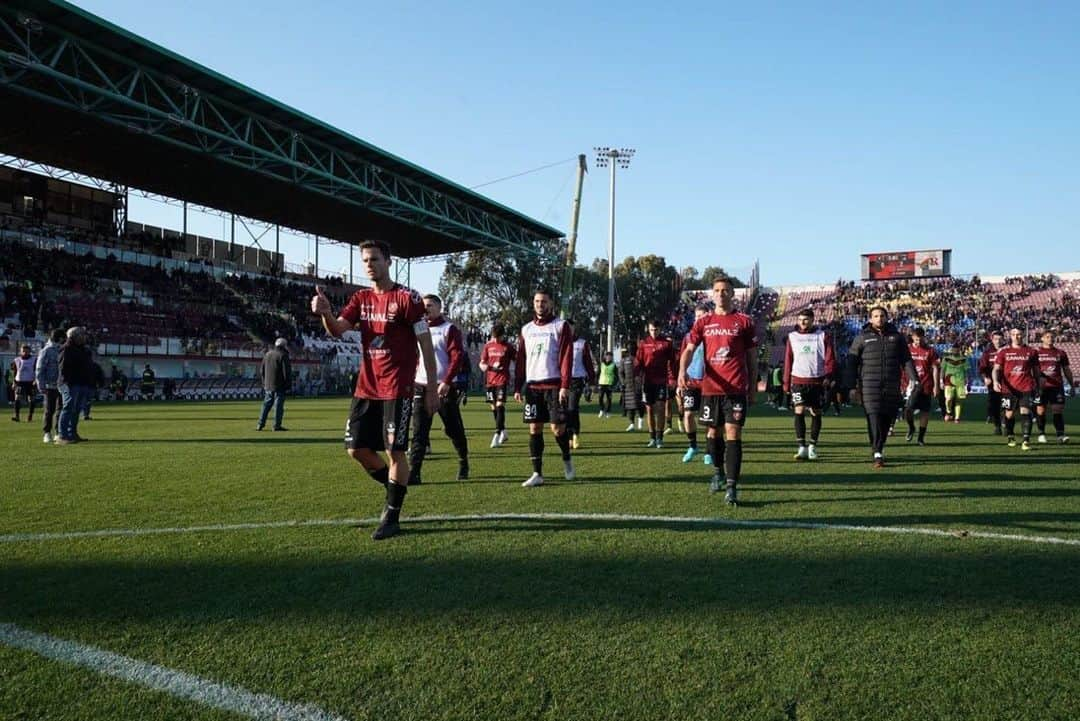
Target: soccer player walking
{"type": "Point", "coordinates": [954, 380]}
{"type": "Point", "coordinates": [1055, 370]}
{"type": "Point", "coordinates": [928, 367]}
{"type": "Point", "coordinates": [391, 322]}
{"type": "Point", "coordinates": [728, 384]}
{"type": "Point", "coordinates": [655, 360]}
{"type": "Point", "coordinates": [583, 374]}
{"type": "Point", "coordinates": [606, 383]}
{"type": "Point", "coordinates": [874, 362]}
{"type": "Point", "coordinates": [449, 348]}
{"type": "Point", "coordinates": [542, 371]}
{"type": "Point", "coordinates": [25, 363]}
{"type": "Point", "coordinates": [495, 362]}
{"type": "Point", "coordinates": [1016, 378]}
{"type": "Point", "coordinates": [809, 363]}
{"type": "Point", "coordinates": [986, 370]}
{"type": "Point", "coordinates": [689, 398]}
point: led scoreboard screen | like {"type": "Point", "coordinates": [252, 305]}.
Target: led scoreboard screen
{"type": "Point", "coordinates": [906, 264]}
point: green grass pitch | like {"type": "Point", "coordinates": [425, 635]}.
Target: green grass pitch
{"type": "Point", "coordinates": [543, 618]}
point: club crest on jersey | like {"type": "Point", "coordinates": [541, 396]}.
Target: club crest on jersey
{"type": "Point", "coordinates": [391, 310]}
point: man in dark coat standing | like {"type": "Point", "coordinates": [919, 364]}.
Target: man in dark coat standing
{"type": "Point", "coordinates": [76, 383]}
{"type": "Point", "coordinates": [875, 360]}
{"type": "Point", "coordinates": [277, 379]}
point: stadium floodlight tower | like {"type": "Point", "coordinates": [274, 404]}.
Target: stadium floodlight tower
{"type": "Point", "coordinates": [612, 158]}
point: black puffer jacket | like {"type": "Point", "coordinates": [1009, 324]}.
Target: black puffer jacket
{"type": "Point", "coordinates": [76, 365]}
{"type": "Point", "coordinates": [873, 367]}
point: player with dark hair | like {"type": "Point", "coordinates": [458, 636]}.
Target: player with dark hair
{"type": "Point", "coordinates": [954, 381]}
{"type": "Point", "coordinates": [928, 366]}
{"type": "Point", "coordinates": [582, 377]}
{"type": "Point", "coordinates": [1017, 378]}
{"type": "Point", "coordinates": [728, 384]}
{"type": "Point", "coordinates": [391, 322]}
{"type": "Point", "coordinates": [606, 376]}
{"type": "Point", "coordinates": [495, 362]}
{"type": "Point", "coordinates": [654, 361]}
{"type": "Point", "coordinates": [1055, 370]}
{"type": "Point", "coordinates": [986, 370]}
{"type": "Point", "coordinates": [543, 367]}
{"type": "Point", "coordinates": [449, 348]}
{"type": "Point", "coordinates": [873, 370]}
{"type": "Point", "coordinates": [809, 364]}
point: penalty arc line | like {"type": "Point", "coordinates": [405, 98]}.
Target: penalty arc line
{"type": "Point", "coordinates": [496, 517]}
{"type": "Point", "coordinates": [159, 678]}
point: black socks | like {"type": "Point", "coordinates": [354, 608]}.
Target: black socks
{"type": "Point", "coordinates": [733, 460]}
{"type": "Point", "coordinates": [536, 452]}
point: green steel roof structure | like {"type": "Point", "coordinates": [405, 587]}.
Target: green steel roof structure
{"type": "Point", "coordinates": [80, 93]}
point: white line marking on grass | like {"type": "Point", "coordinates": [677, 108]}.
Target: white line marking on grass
{"type": "Point", "coordinates": [175, 683]}
{"type": "Point", "coordinates": [722, 522]}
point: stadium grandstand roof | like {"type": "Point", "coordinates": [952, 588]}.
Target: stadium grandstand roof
{"type": "Point", "coordinates": [80, 93]}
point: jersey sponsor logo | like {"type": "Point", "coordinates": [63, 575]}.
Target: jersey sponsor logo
{"type": "Point", "coordinates": [713, 331]}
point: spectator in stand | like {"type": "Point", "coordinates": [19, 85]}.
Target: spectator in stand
{"type": "Point", "coordinates": [46, 377]}
{"type": "Point", "coordinates": [76, 383]}
{"type": "Point", "coordinates": [148, 384]}
{"type": "Point", "coordinates": [276, 375]}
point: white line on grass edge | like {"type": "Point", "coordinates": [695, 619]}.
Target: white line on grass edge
{"type": "Point", "coordinates": [175, 683]}
{"type": "Point", "coordinates": [724, 522]}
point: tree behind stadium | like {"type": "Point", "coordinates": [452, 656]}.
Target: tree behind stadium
{"type": "Point", "coordinates": [487, 286]}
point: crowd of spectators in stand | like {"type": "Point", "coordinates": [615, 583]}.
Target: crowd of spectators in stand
{"type": "Point", "coordinates": [956, 309]}
{"type": "Point", "coordinates": [50, 288]}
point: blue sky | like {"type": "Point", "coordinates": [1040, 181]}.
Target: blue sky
{"type": "Point", "coordinates": [799, 134]}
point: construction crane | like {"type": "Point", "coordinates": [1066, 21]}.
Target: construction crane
{"type": "Point", "coordinates": [571, 238]}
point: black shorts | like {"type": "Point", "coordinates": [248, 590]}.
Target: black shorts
{"type": "Point", "coordinates": [655, 393]}
{"type": "Point", "coordinates": [378, 425]}
{"type": "Point", "coordinates": [691, 400]}
{"type": "Point", "coordinates": [577, 389]}
{"type": "Point", "coordinates": [542, 406]}
{"type": "Point", "coordinates": [24, 390]}
{"type": "Point", "coordinates": [919, 400]}
{"type": "Point", "coordinates": [1016, 401]}
{"type": "Point", "coordinates": [495, 394]}
{"type": "Point", "coordinates": [807, 394]}
{"type": "Point", "coordinates": [716, 410]}
{"type": "Point", "coordinates": [1051, 397]}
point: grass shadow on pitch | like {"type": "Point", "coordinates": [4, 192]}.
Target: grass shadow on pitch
{"type": "Point", "coordinates": [263, 437]}
{"type": "Point", "coordinates": [483, 568]}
